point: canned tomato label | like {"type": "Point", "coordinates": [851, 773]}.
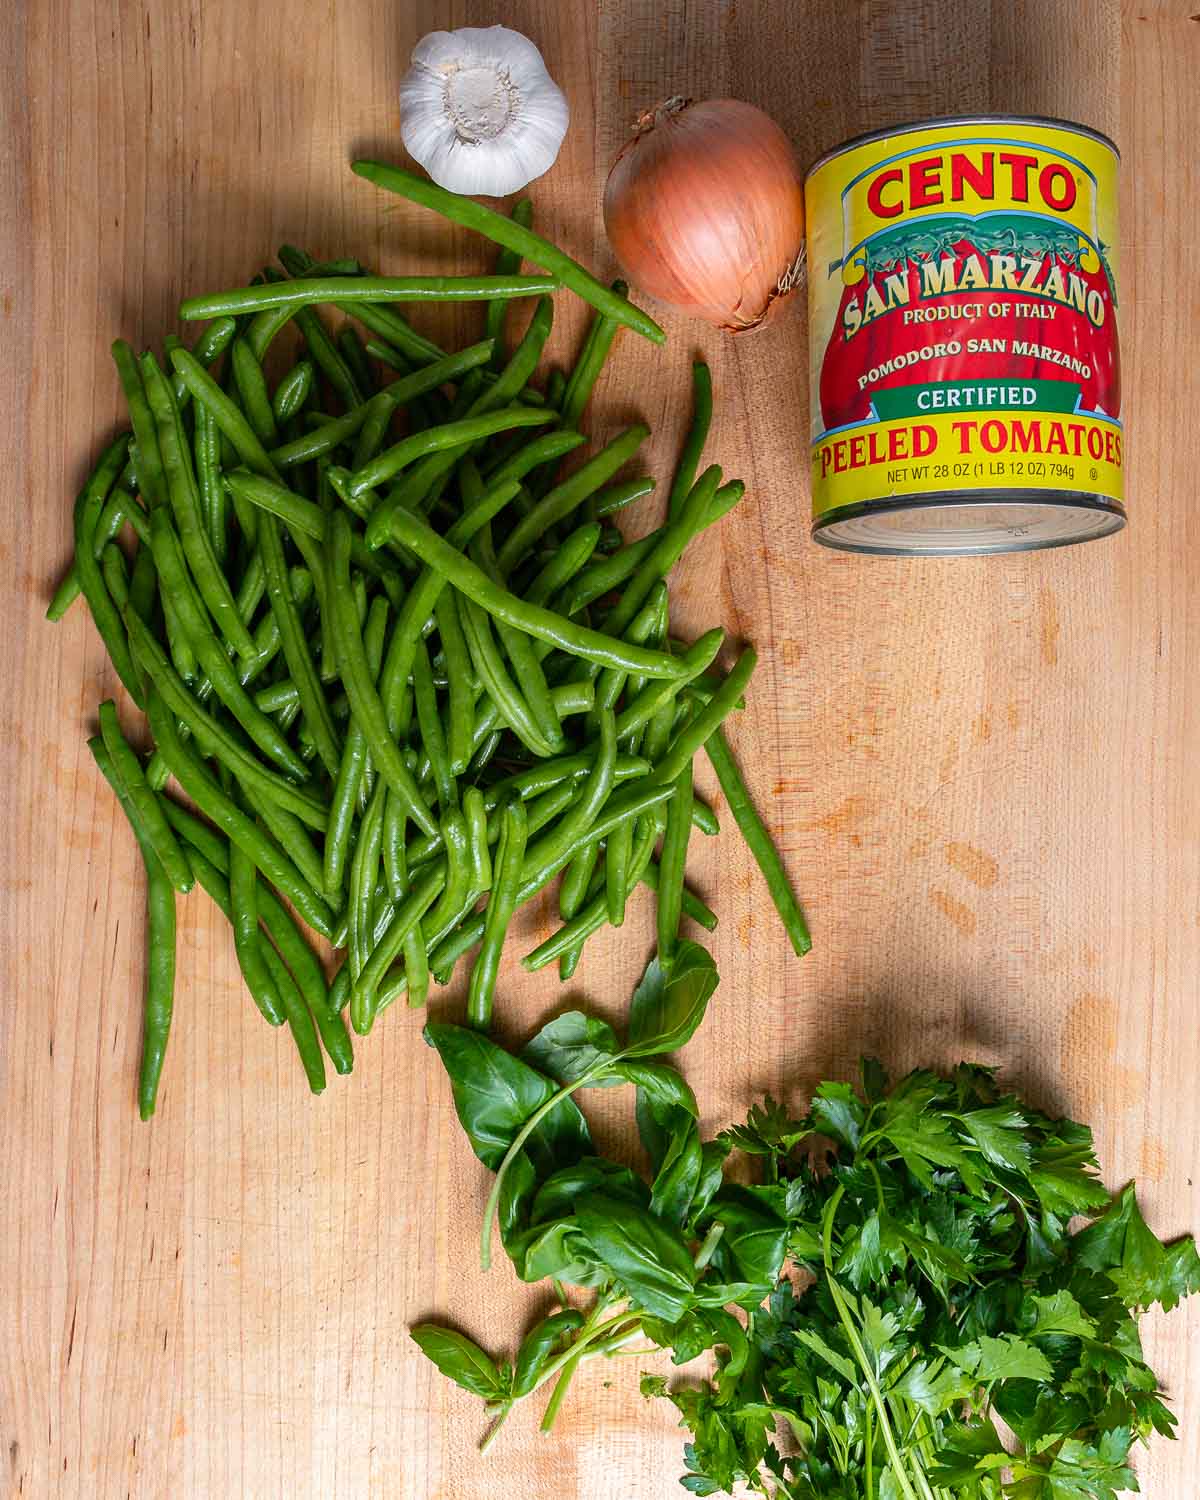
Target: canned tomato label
{"type": "Point", "coordinates": [965, 367]}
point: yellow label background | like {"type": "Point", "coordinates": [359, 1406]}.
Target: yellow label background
{"type": "Point", "coordinates": [1038, 471]}
{"type": "Point", "coordinates": [829, 227]}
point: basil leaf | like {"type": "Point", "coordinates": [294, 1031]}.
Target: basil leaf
{"type": "Point", "coordinates": [557, 1196]}
{"type": "Point", "coordinates": [571, 1044]}
{"type": "Point", "coordinates": [495, 1093]}
{"type": "Point", "coordinates": [662, 1084]}
{"type": "Point", "coordinates": [755, 1236]}
{"type": "Point", "coordinates": [460, 1359]}
{"type": "Point", "coordinates": [679, 1174]}
{"type": "Point", "coordinates": [669, 1004]}
{"type": "Point", "coordinates": [650, 1261]}
{"type": "Point", "coordinates": [539, 1344]}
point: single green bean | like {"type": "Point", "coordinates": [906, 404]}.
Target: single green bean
{"type": "Point", "coordinates": [672, 864]}
{"type": "Point", "coordinates": [461, 695]}
{"type": "Point", "coordinates": [364, 870]}
{"type": "Point", "coordinates": [508, 263]}
{"type": "Point", "coordinates": [564, 563]}
{"type": "Point", "coordinates": [416, 970]}
{"type": "Point", "coordinates": [347, 291]}
{"type": "Point", "coordinates": [692, 905]}
{"type": "Point", "coordinates": [150, 479]}
{"type": "Point", "coordinates": [505, 694]}
{"type": "Point", "coordinates": [350, 347]}
{"type": "Point", "coordinates": [479, 855]}
{"type": "Point", "coordinates": [591, 361]}
{"type": "Point", "coordinates": [510, 858]}
{"type": "Point", "coordinates": [256, 398]}
{"type": "Point", "coordinates": [206, 447]}
{"type": "Point", "coordinates": [689, 459]}
{"type": "Point", "coordinates": [429, 724]}
{"type": "Point", "coordinates": [543, 449]}
{"type": "Point", "coordinates": [247, 936]}
{"type": "Point", "coordinates": [160, 945]}
{"type": "Point", "coordinates": [104, 611]}
{"type": "Point", "coordinates": [395, 862]}
{"type": "Point", "coordinates": [617, 854]}
{"type": "Point", "coordinates": [300, 1020]}
{"type": "Point", "coordinates": [115, 576]}
{"type": "Point", "coordinates": [758, 841]}
{"type": "Point", "coordinates": [514, 237]}
{"type": "Point", "coordinates": [293, 390]}
{"type": "Point", "coordinates": [155, 828]}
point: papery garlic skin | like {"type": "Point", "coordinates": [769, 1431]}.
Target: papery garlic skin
{"type": "Point", "coordinates": [480, 112]}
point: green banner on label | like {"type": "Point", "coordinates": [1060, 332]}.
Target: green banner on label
{"type": "Point", "coordinates": [940, 396]}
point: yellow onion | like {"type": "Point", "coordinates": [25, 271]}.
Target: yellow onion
{"type": "Point", "coordinates": [704, 209]}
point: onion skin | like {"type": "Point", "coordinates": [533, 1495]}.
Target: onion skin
{"type": "Point", "coordinates": [704, 209]}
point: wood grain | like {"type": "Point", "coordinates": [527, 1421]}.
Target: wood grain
{"type": "Point", "coordinates": [982, 772]}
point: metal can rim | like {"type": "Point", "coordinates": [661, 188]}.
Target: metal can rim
{"type": "Point", "coordinates": [949, 120]}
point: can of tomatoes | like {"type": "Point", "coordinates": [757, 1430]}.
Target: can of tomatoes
{"type": "Point", "coordinates": [965, 366]}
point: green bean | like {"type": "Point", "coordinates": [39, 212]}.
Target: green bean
{"type": "Point", "coordinates": [564, 563]}
{"type": "Point", "coordinates": [544, 448]}
{"type": "Point", "coordinates": [641, 629]}
{"type": "Point", "coordinates": [461, 696]}
{"type": "Point", "coordinates": [116, 579]}
{"type": "Point", "coordinates": [514, 237]}
{"type": "Point", "coordinates": [448, 910]}
{"type": "Point", "coordinates": [256, 398]}
{"type": "Point", "coordinates": [508, 263]}
{"type": "Point", "coordinates": [208, 796]}
{"type": "Point", "coordinates": [365, 701]}
{"type": "Point", "coordinates": [617, 854]}
{"type": "Point", "coordinates": [704, 818]}
{"type": "Point", "coordinates": [104, 611]}
{"type": "Point", "coordinates": [565, 497]}
{"type": "Point", "coordinates": [689, 459]}
{"type": "Point", "coordinates": [150, 478]}
{"type": "Point", "coordinates": [667, 551]}
{"type": "Point", "coordinates": [247, 937]}
{"type": "Point", "coordinates": [395, 863]}
{"type": "Point", "coordinates": [206, 446]}
{"type": "Point", "coordinates": [759, 842]}
{"type": "Point", "coordinates": [587, 807]}
{"type": "Point", "coordinates": [386, 355]}
{"type": "Point", "coordinates": [479, 855]}
{"type": "Point", "coordinates": [300, 1020]}
{"type": "Point", "coordinates": [346, 792]}
{"type": "Point", "coordinates": [405, 923]}
{"type": "Point", "coordinates": [658, 694]}
{"type": "Point", "coordinates": [510, 857]}
{"type": "Point", "coordinates": [210, 654]}
{"type": "Point", "coordinates": [289, 833]}
{"type": "Point", "coordinates": [672, 863]}
{"type": "Point", "coordinates": [439, 553]}
{"type": "Point", "coordinates": [416, 971]}
{"type": "Point", "coordinates": [143, 585]}
{"type": "Point", "coordinates": [350, 346]}
{"type": "Point", "coordinates": [294, 645]}
{"type": "Point", "coordinates": [577, 878]}
{"type": "Point", "coordinates": [602, 577]}
{"type": "Point", "coordinates": [226, 413]}
{"type": "Point", "coordinates": [591, 361]}
{"type": "Point", "coordinates": [348, 292]}
{"type": "Point", "coordinates": [452, 435]}
{"type": "Point", "coordinates": [127, 768]}
{"type": "Point", "coordinates": [484, 753]}
{"type": "Point", "coordinates": [327, 356]}
{"type": "Point", "coordinates": [571, 937]}
{"type": "Point", "coordinates": [692, 906]}
{"type": "Point", "coordinates": [111, 519]}
{"type": "Point", "coordinates": [293, 390]}
{"type": "Point", "coordinates": [160, 945]}
{"type": "Point", "coordinates": [423, 599]}
{"type": "Point", "coordinates": [505, 694]}
{"type": "Point", "coordinates": [429, 724]}
{"type": "Point", "coordinates": [364, 868]}
{"type": "Point", "coordinates": [423, 479]}
{"type": "Point", "coordinates": [184, 500]}
{"type": "Point", "coordinates": [700, 728]}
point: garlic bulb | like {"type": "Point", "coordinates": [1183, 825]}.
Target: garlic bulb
{"type": "Point", "coordinates": [479, 110]}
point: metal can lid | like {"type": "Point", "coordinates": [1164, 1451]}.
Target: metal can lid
{"type": "Point", "coordinates": [968, 525]}
{"type": "Point", "coordinates": [952, 120]}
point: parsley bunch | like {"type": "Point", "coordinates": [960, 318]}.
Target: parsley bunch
{"type": "Point", "coordinates": [945, 1334]}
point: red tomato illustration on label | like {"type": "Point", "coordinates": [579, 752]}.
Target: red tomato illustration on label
{"type": "Point", "coordinates": [1021, 309]}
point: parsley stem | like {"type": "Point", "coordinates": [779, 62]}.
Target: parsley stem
{"type": "Point", "coordinates": [860, 1354]}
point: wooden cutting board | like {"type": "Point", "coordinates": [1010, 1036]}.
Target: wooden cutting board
{"type": "Point", "coordinates": [982, 772]}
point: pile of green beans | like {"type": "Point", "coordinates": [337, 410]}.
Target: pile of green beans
{"type": "Point", "coordinates": [405, 672]}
